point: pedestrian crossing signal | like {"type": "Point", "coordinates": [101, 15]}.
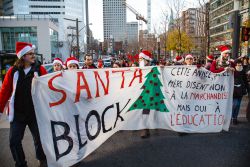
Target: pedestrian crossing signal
{"type": "Point", "coordinates": [245, 34]}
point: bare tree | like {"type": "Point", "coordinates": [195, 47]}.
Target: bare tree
{"type": "Point", "coordinates": [177, 6]}
{"type": "Point", "coordinates": [71, 41]}
{"type": "Point", "coordinates": [163, 30]}
{"type": "Point", "coordinates": [203, 25]}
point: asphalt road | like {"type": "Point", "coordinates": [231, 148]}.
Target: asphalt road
{"type": "Point", "coordinates": [163, 149]}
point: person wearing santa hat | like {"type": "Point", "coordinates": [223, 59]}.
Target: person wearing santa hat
{"type": "Point", "coordinates": [72, 63]}
{"type": "Point", "coordinates": [145, 58]}
{"type": "Point", "coordinates": [178, 60]}
{"type": "Point", "coordinates": [21, 113]}
{"type": "Point", "coordinates": [224, 58]}
{"type": "Point", "coordinates": [223, 62]}
{"type": "Point", "coordinates": [57, 64]}
{"type": "Point", "coordinates": [189, 59]}
{"type": "Point", "coordinates": [210, 59]}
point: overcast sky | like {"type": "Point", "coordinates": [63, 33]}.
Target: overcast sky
{"type": "Point", "coordinates": [157, 6]}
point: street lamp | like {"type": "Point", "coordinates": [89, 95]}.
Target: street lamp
{"type": "Point", "coordinates": [74, 28]}
{"type": "Point", "coordinates": [85, 27]}
{"type": "Point", "coordinates": [77, 35]}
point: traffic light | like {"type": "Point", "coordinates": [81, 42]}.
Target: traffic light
{"type": "Point", "coordinates": [245, 34]}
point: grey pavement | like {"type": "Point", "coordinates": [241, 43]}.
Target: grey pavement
{"type": "Point", "coordinates": [163, 149]}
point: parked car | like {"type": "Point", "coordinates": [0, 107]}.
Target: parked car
{"type": "Point", "coordinates": [107, 62]}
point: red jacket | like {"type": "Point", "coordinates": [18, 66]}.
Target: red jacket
{"type": "Point", "coordinates": [213, 68]}
{"type": "Point", "coordinates": [7, 87]}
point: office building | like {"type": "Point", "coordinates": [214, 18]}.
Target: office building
{"type": "Point", "coordinates": [42, 32]}
{"type": "Point", "coordinates": [57, 10]}
{"type": "Point", "coordinates": [114, 19]}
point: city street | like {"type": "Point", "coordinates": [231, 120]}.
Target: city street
{"type": "Point", "coordinates": [163, 148]}
{"type": "Point", "coordinates": [82, 70]}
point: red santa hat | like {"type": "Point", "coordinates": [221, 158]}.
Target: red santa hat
{"type": "Point", "coordinates": [146, 55]}
{"type": "Point", "coordinates": [23, 47]}
{"type": "Point", "coordinates": [189, 56]}
{"type": "Point", "coordinates": [58, 60]}
{"type": "Point", "coordinates": [210, 57]}
{"type": "Point", "coordinates": [178, 59]}
{"type": "Point", "coordinates": [100, 63]}
{"type": "Point", "coordinates": [72, 60]}
{"type": "Point", "coordinates": [224, 49]}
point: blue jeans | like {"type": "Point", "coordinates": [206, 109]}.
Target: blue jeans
{"type": "Point", "coordinates": [17, 130]}
{"type": "Point", "coordinates": [236, 107]}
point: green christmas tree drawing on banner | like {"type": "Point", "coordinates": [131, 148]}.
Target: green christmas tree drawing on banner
{"type": "Point", "coordinates": [151, 96]}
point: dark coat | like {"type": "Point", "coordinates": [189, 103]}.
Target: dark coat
{"type": "Point", "coordinates": [240, 84]}
{"type": "Point", "coordinates": [90, 67]}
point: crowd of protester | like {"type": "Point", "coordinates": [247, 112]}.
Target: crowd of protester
{"type": "Point", "coordinates": [22, 73]}
{"type": "Point", "coordinates": [216, 64]}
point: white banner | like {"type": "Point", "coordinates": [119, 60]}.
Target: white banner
{"type": "Point", "coordinates": [79, 110]}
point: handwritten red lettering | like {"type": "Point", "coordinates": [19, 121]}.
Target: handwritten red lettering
{"type": "Point", "coordinates": [50, 85]}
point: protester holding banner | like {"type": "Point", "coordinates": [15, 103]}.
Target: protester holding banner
{"type": "Point", "coordinates": [223, 62]}
{"type": "Point", "coordinates": [240, 83]}
{"type": "Point", "coordinates": [177, 98]}
{"type": "Point", "coordinates": [210, 59]}
{"type": "Point", "coordinates": [57, 64]}
{"type": "Point", "coordinates": [72, 63]}
{"type": "Point", "coordinates": [178, 60]}
{"type": "Point", "coordinates": [17, 88]}
{"type": "Point", "coordinates": [189, 59]}
{"type": "Point", "coordinates": [88, 62]}
{"type": "Point", "coordinates": [145, 57]}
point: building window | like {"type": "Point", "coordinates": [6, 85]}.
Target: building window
{"type": "Point", "coordinates": [10, 35]}
{"type": "Point", "coordinates": [44, 6]}
{"type": "Point", "coordinates": [53, 42]}
{"type": "Point", "coordinates": [44, 13]}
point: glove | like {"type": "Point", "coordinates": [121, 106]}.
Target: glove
{"type": "Point", "coordinates": [198, 66]}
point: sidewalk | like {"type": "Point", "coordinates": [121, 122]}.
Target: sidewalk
{"type": "Point", "coordinates": [243, 107]}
